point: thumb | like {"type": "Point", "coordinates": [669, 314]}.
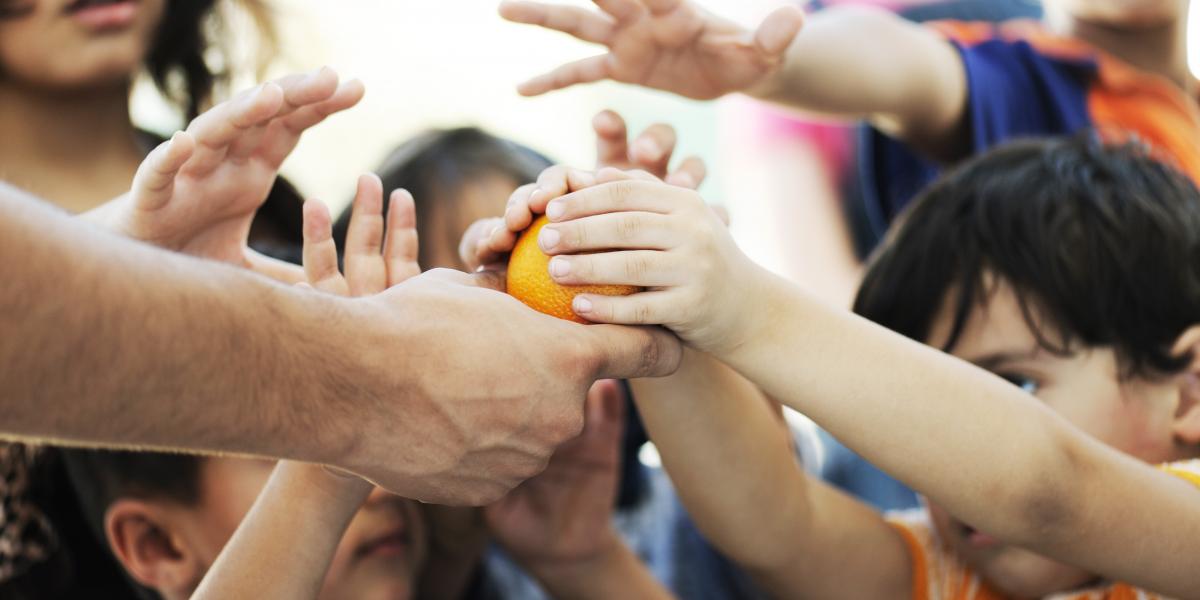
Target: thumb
{"type": "Point", "coordinates": [778, 30]}
{"type": "Point", "coordinates": [630, 352]}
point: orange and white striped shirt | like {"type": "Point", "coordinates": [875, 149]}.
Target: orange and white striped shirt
{"type": "Point", "coordinates": [938, 574]}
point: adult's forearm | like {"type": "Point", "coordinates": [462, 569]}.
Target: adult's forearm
{"type": "Point", "coordinates": [110, 342]}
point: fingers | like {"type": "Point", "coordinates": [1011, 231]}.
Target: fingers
{"type": "Point", "coordinates": [629, 195]}
{"type": "Point", "coordinates": [154, 181]}
{"type": "Point", "coordinates": [302, 89]}
{"type": "Point", "coordinates": [690, 174]}
{"type": "Point", "coordinates": [646, 308]}
{"type": "Point", "coordinates": [401, 246]}
{"type": "Point", "coordinates": [517, 213]}
{"type": "Point", "coordinates": [472, 248]}
{"type": "Point", "coordinates": [366, 272]}
{"type": "Point", "coordinates": [627, 353]}
{"type": "Point", "coordinates": [571, 20]}
{"type": "Point", "coordinates": [320, 253]}
{"type": "Point", "coordinates": [610, 231]}
{"type": "Point", "coordinates": [555, 182]}
{"type": "Point", "coordinates": [587, 70]}
{"type": "Point", "coordinates": [612, 140]}
{"type": "Point", "coordinates": [652, 149]}
{"type": "Point", "coordinates": [642, 268]}
{"type": "Point", "coordinates": [604, 410]}
{"type": "Point", "coordinates": [286, 131]}
{"type": "Point", "coordinates": [217, 129]}
{"type": "Point", "coordinates": [622, 11]}
{"type": "Point", "coordinates": [779, 30]}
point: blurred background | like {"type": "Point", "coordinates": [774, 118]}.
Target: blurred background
{"type": "Point", "coordinates": [439, 63]}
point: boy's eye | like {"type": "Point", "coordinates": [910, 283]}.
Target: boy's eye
{"type": "Point", "coordinates": [1027, 384]}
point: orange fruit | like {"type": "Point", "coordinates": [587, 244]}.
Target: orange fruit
{"type": "Point", "coordinates": [529, 279]}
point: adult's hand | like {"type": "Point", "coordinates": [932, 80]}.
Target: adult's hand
{"type": "Point", "coordinates": [468, 392]}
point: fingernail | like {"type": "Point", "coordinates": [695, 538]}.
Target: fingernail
{"type": "Point", "coordinates": [554, 210]}
{"type": "Point", "coordinates": [559, 267]}
{"type": "Point", "coordinates": [581, 305]}
{"type": "Point", "coordinates": [549, 238]}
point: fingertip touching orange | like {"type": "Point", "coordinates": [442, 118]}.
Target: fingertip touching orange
{"type": "Point", "coordinates": [529, 279]}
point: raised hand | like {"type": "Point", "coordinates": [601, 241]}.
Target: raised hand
{"type": "Point", "coordinates": [486, 242]}
{"type": "Point", "coordinates": [671, 45]}
{"type": "Point", "coordinates": [564, 514]}
{"type": "Point", "coordinates": [375, 259]}
{"type": "Point", "coordinates": [198, 192]}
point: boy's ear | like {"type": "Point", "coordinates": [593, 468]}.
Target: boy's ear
{"type": "Point", "coordinates": [148, 546]}
{"type": "Point", "coordinates": [1186, 422]}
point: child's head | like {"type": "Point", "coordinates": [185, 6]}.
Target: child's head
{"type": "Point", "coordinates": [166, 517]}
{"type": "Point", "coordinates": [1073, 271]}
{"type": "Point", "coordinates": [1122, 14]}
{"type": "Point", "coordinates": [456, 177]}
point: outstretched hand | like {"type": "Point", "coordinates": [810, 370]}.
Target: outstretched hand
{"type": "Point", "coordinates": [564, 514]}
{"type": "Point", "coordinates": [198, 192]}
{"type": "Point", "coordinates": [671, 45]}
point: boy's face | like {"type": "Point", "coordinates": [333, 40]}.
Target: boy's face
{"type": "Point", "coordinates": [377, 559]}
{"type": "Point", "coordinates": [1133, 14]}
{"type": "Point", "coordinates": [1133, 416]}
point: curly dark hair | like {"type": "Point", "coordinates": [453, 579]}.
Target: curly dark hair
{"type": "Point", "coordinates": [178, 62]}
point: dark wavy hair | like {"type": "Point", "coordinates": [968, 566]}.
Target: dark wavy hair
{"type": "Point", "coordinates": [179, 60]}
{"type": "Point", "coordinates": [1100, 243]}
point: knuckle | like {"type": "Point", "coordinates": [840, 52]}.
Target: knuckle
{"type": "Point", "coordinates": [628, 227]}
{"type": "Point", "coordinates": [642, 313]}
{"type": "Point", "coordinates": [636, 268]}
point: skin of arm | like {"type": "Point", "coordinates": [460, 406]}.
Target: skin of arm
{"type": "Point", "coordinates": [736, 473]}
{"type": "Point", "coordinates": [285, 544]}
{"type": "Point", "coordinates": [1043, 485]}
{"type": "Point", "coordinates": [907, 81]}
{"type": "Point", "coordinates": [334, 381]}
{"type": "Point", "coordinates": [616, 572]}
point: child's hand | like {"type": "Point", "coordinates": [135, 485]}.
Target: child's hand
{"type": "Point", "coordinates": [198, 192]}
{"type": "Point", "coordinates": [660, 237]}
{"type": "Point", "coordinates": [488, 241]}
{"type": "Point", "coordinates": [375, 260]}
{"type": "Point", "coordinates": [563, 515]}
{"type": "Point", "coordinates": [671, 45]}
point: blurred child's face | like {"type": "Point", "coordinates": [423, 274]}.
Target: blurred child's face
{"type": "Point", "coordinates": [1123, 13]}
{"type": "Point", "coordinates": [66, 44]}
{"type": "Point", "coordinates": [1133, 416]}
{"type": "Point", "coordinates": [479, 198]}
{"type": "Point", "coordinates": [378, 558]}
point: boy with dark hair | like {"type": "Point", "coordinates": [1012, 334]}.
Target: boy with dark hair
{"type": "Point", "coordinates": [1063, 277]}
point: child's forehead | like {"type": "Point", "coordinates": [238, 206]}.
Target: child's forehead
{"type": "Point", "coordinates": [998, 323]}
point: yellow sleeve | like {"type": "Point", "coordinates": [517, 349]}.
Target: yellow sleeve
{"type": "Point", "coordinates": [1188, 470]}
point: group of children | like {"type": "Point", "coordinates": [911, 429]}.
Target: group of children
{"type": "Point", "coordinates": [1025, 351]}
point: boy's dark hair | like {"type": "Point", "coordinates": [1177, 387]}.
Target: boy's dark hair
{"type": "Point", "coordinates": [1101, 243]}
{"type": "Point", "coordinates": [440, 163]}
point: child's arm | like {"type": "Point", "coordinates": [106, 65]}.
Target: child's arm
{"type": "Point", "coordinates": [737, 474]}
{"type": "Point", "coordinates": [989, 453]}
{"type": "Point", "coordinates": [558, 525]}
{"type": "Point", "coordinates": [284, 545]}
{"type": "Point", "coordinates": [198, 192]}
{"type": "Point", "coordinates": [907, 81]}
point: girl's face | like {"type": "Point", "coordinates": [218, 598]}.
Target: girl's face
{"type": "Point", "coordinates": [69, 44]}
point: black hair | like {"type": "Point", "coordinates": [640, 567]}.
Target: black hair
{"type": "Point", "coordinates": [1100, 243]}
{"type": "Point", "coordinates": [439, 163]}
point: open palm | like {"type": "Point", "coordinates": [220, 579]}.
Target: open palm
{"type": "Point", "coordinates": [198, 192]}
{"type": "Point", "coordinates": [671, 45]}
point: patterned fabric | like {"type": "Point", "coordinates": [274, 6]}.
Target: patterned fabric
{"type": "Point", "coordinates": [938, 574]}
{"type": "Point", "coordinates": [26, 537]}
